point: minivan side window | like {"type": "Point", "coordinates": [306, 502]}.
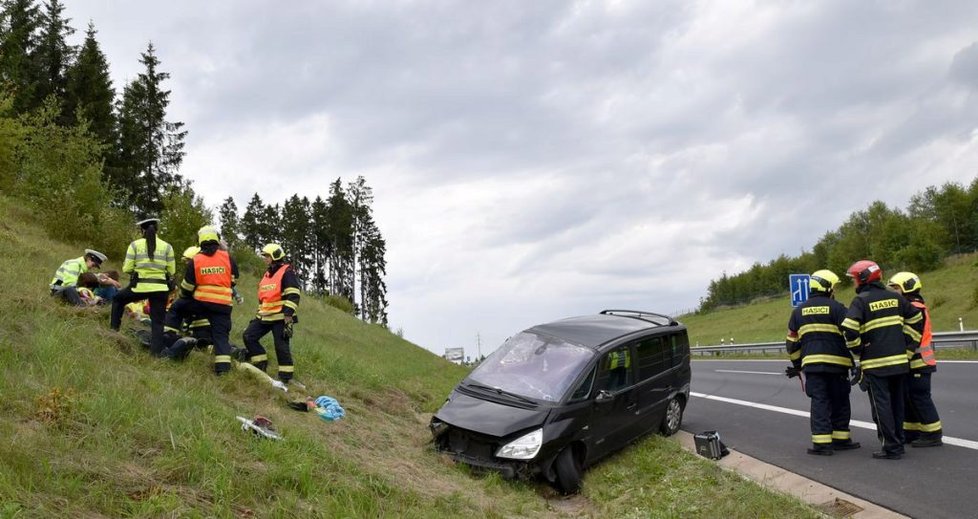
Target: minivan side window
{"type": "Point", "coordinates": [615, 370]}
{"type": "Point", "coordinates": [654, 356]}
{"type": "Point", "coordinates": [584, 389]}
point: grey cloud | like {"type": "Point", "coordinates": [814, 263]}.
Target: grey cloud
{"type": "Point", "coordinates": [964, 68]}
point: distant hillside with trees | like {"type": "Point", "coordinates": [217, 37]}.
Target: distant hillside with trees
{"type": "Point", "coordinates": [91, 162]}
{"type": "Point", "coordinates": [937, 223]}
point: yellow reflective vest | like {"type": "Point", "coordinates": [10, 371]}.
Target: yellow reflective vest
{"type": "Point", "coordinates": [151, 274]}
{"type": "Point", "coordinates": [69, 271]}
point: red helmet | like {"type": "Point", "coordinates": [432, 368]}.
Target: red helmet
{"type": "Point", "coordinates": [865, 271]}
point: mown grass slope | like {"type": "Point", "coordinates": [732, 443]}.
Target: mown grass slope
{"type": "Point", "coordinates": [951, 292]}
{"type": "Point", "coordinates": [93, 427]}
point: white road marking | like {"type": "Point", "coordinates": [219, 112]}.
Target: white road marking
{"type": "Point", "coordinates": [950, 440]}
{"type": "Point", "coordinates": [748, 372]}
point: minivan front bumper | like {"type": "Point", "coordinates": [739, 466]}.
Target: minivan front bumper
{"type": "Point", "coordinates": [478, 451]}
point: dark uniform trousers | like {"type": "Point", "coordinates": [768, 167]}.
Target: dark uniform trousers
{"type": "Point", "coordinates": [283, 354]}
{"type": "Point", "coordinates": [886, 395]}
{"type": "Point", "coordinates": [920, 408]}
{"type": "Point", "coordinates": [220, 329]}
{"type": "Point", "coordinates": [157, 313]}
{"type": "Point", "coordinates": [830, 408]}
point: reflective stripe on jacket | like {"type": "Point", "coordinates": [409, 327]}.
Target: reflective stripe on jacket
{"type": "Point", "coordinates": [214, 279]}
{"type": "Point", "coordinates": [882, 328]}
{"type": "Point", "coordinates": [619, 359]}
{"type": "Point", "coordinates": [152, 274]}
{"type": "Point", "coordinates": [815, 339]}
{"type": "Point", "coordinates": [69, 271]}
{"type": "Point", "coordinates": [272, 295]}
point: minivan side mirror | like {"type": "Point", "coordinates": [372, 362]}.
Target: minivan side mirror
{"type": "Point", "coordinates": [604, 396]}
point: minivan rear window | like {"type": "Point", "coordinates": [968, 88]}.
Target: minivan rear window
{"type": "Point", "coordinates": [534, 366]}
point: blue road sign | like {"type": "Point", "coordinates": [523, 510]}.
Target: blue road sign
{"type": "Point", "coordinates": [798, 283]}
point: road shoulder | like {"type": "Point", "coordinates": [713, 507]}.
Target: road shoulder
{"type": "Point", "coordinates": [826, 499]}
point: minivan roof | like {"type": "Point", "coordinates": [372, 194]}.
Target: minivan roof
{"type": "Point", "coordinates": [594, 330]}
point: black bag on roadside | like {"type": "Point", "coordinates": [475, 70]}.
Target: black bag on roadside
{"type": "Point", "coordinates": [708, 445]}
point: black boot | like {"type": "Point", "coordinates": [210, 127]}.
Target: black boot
{"type": "Point", "coordinates": [821, 450]}
{"type": "Point", "coordinates": [883, 455]}
{"type": "Point", "coordinates": [845, 445]}
{"type": "Point", "coordinates": [927, 442]}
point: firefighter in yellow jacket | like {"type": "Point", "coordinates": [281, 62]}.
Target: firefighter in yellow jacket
{"type": "Point", "coordinates": [816, 347]}
{"type": "Point", "coordinates": [881, 327]}
{"type": "Point", "coordinates": [922, 425]}
{"type": "Point", "coordinates": [278, 300]}
{"type": "Point", "coordinates": [151, 265]}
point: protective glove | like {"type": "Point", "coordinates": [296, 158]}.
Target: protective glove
{"type": "Point", "coordinates": [287, 329]}
{"type": "Point", "coordinates": [858, 378]}
{"type": "Point", "coordinates": [792, 372]}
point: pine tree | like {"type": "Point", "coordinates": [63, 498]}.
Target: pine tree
{"type": "Point", "coordinates": [89, 91]}
{"type": "Point", "coordinates": [296, 228]}
{"type": "Point", "coordinates": [230, 223]}
{"type": "Point", "coordinates": [150, 147]}
{"type": "Point", "coordinates": [251, 223]}
{"type": "Point", "coordinates": [373, 267]}
{"type": "Point", "coordinates": [53, 54]}
{"type": "Point", "coordinates": [271, 225]}
{"type": "Point", "coordinates": [321, 245]}
{"type": "Point", "coordinates": [19, 23]}
{"type": "Point", "coordinates": [339, 225]}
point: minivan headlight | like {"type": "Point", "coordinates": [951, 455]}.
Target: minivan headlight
{"type": "Point", "coordinates": [523, 448]}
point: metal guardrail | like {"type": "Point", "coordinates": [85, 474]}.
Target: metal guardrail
{"type": "Point", "coordinates": [966, 339]}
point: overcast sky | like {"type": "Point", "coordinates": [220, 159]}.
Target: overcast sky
{"type": "Point", "coordinates": [533, 160]}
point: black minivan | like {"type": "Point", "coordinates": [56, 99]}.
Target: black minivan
{"type": "Point", "coordinates": [557, 397]}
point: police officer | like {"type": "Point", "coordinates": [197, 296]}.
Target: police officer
{"type": "Point", "coordinates": [65, 280]}
{"type": "Point", "coordinates": [151, 265]}
{"type": "Point", "coordinates": [278, 300]}
{"type": "Point", "coordinates": [922, 425]}
{"type": "Point", "coordinates": [817, 348]}
{"type": "Point", "coordinates": [881, 327]}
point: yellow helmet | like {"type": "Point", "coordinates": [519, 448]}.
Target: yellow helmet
{"type": "Point", "coordinates": [206, 234]}
{"type": "Point", "coordinates": [190, 252]}
{"type": "Point", "coordinates": [906, 282]}
{"type": "Point", "coordinates": [822, 281]}
{"type": "Point", "coordinates": [274, 251]}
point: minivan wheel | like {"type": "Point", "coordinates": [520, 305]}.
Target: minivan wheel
{"type": "Point", "coordinates": [568, 472]}
{"type": "Point", "coordinates": [673, 418]}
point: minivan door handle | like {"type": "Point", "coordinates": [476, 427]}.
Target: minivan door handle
{"type": "Point", "coordinates": [631, 407]}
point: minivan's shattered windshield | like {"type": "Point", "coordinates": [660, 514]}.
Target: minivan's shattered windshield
{"type": "Point", "coordinates": [532, 365]}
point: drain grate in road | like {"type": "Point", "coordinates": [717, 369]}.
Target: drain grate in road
{"type": "Point", "coordinates": [839, 508]}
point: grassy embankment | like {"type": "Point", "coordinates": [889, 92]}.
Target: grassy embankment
{"type": "Point", "coordinates": [950, 291]}
{"type": "Point", "coordinates": [93, 427]}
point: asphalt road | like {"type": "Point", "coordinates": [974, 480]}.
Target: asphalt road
{"type": "Point", "coordinates": [763, 414]}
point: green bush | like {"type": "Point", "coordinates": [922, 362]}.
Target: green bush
{"type": "Point", "coordinates": [340, 302]}
{"type": "Point", "coordinates": [11, 135]}
{"type": "Point", "coordinates": [58, 170]}
{"type": "Point", "coordinates": [183, 215]}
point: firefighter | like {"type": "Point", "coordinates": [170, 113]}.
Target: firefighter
{"type": "Point", "coordinates": [206, 293]}
{"type": "Point", "coordinates": [151, 265]}
{"type": "Point", "coordinates": [817, 348]}
{"type": "Point", "coordinates": [278, 300]}
{"type": "Point", "coordinates": [881, 328]}
{"type": "Point", "coordinates": [922, 425]}
{"type": "Point", "coordinates": [65, 280]}
{"type": "Point", "coordinates": [180, 321]}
